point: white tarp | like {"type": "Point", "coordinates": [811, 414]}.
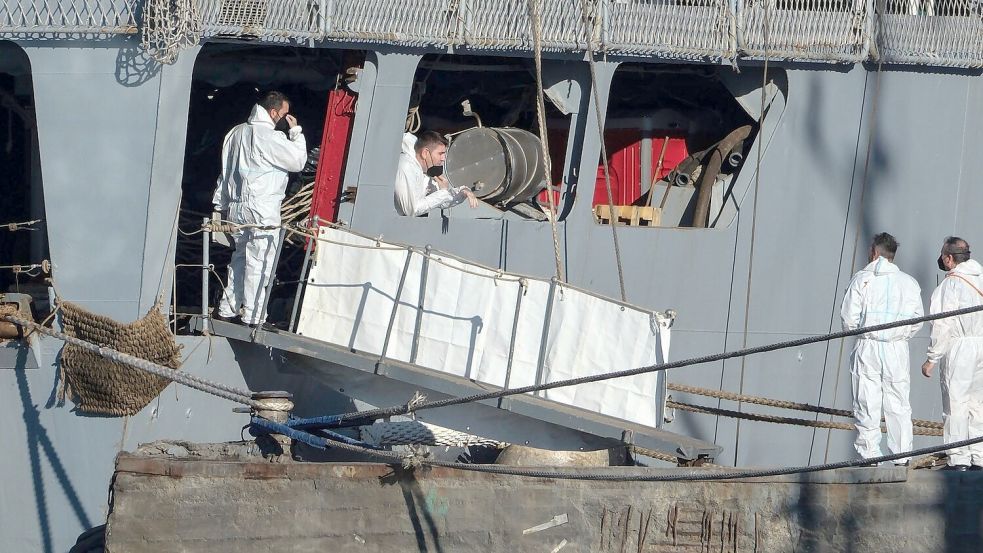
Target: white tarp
{"type": "Point", "coordinates": [467, 318]}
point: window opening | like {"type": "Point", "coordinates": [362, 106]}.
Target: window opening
{"type": "Point", "coordinates": [486, 105]}
{"type": "Point", "coordinates": [663, 123]}
{"type": "Point", "coordinates": [24, 264]}
{"type": "Point", "coordinates": [227, 82]}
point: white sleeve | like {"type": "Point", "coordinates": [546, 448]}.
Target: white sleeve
{"type": "Point", "coordinates": [289, 154]}
{"type": "Point", "coordinates": [411, 198]}
{"type": "Point", "coordinates": [943, 299]}
{"type": "Point", "coordinates": [220, 198]}
{"type": "Point", "coordinates": [852, 308]}
{"type": "Point", "coordinates": [913, 307]}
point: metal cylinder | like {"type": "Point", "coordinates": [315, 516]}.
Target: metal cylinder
{"type": "Point", "coordinates": [501, 165]}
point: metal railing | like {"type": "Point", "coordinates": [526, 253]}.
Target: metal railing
{"type": "Point", "coordinates": [922, 32]}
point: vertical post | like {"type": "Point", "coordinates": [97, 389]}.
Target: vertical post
{"type": "Point", "coordinates": [301, 284]}
{"type": "Point", "coordinates": [419, 304]}
{"type": "Point", "coordinates": [392, 315]}
{"type": "Point", "coordinates": [206, 239]}
{"type": "Point", "coordinates": [272, 280]}
{"type": "Point", "coordinates": [541, 364]}
{"type": "Point", "coordinates": [515, 331]}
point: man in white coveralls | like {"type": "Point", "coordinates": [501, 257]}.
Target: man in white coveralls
{"type": "Point", "coordinates": [256, 160]}
{"type": "Point", "coordinates": [959, 342]}
{"type": "Point", "coordinates": [880, 293]}
{"type": "Point", "coordinates": [420, 185]}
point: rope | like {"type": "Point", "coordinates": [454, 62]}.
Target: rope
{"type": "Point", "coordinates": [720, 394]}
{"type": "Point", "coordinates": [421, 433]}
{"type": "Point", "coordinates": [696, 474]}
{"type": "Point", "coordinates": [543, 135]}
{"type": "Point", "coordinates": [918, 431]}
{"type": "Point", "coordinates": [24, 225]}
{"type": "Point", "coordinates": [667, 457]}
{"type": "Point", "coordinates": [754, 217]}
{"type": "Point", "coordinates": [402, 410]}
{"type": "Point", "coordinates": [168, 26]}
{"type": "Point", "coordinates": [191, 381]}
{"type": "Point", "coordinates": [604, 150]}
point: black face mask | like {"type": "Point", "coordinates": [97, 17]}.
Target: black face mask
{"type": "Point", "coordinates": [435, 171]}
{"type": "Point", "coordinates": [282, 125]}
{"type": "Point", "coordinates": [941, 265]}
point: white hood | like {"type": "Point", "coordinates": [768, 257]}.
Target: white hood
{"type": "Point", "coordinates": [969, 267]}
{"type": "Point", "coordinates": [259, 116]}
{"type": "Point", "coordinates": [409, 141]}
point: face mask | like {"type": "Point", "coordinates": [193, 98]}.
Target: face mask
{"type": "Point", "coordinates": [281, 125]}
{"type": "Point", "coordinates": [941, 265]}
{"type": "Point", "coordinates": [435, 171]}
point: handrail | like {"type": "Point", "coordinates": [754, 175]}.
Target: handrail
{"type": "Point", "coordinates": [920, 32]}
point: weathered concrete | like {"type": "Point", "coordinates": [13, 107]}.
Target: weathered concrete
{"type": "Point", "coordinates": [224, 498]}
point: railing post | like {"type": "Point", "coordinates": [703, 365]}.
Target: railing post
{"type": "Point", "coordinates": [392, 315]}
{"type": "Point", "coordinates": [206, 240]}
{"type": "Point", "coordinates": [272, 280]}
{"type": "Point", "coordinates": [547, 318]}
{"type": "Point", "coordinates": [419, 304]}
{"type": "Point", "coordinates": [515, 331]}
{"type": "Point", "coordinates": [301, 283]}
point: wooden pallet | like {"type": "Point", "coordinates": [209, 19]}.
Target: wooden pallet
{"type": "Point", "coordinates": [631, 215]}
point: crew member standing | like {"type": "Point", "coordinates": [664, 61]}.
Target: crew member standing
{"type": "Point", "coordinates": [256, 160]}
{"type": "Point", "coordinates": [880, 293]}
{"type": "Point", "coordinates": [959, 341]}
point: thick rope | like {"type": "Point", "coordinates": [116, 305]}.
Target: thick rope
{"type": "Point", "coordinates": [191, 381]}
{"type": "Point", "coordinates": [783, 404]}
{"type": "Point", "coordinates": [757, 417]}
{"type": "Point", "coordinates": [543, 134]}
{"type": "Point", "coordinates": [402, 409]}
{"type": "Point", "coordinates": [695, 474]}
{"type": "Point", "coordinates": [589, 26]}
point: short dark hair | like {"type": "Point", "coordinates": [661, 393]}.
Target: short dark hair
{"type": "Point", "coordinates": [885, 245]}
{"type": "Point", "coordinates": [429, 140]}
{"type": "Point", "coordinates": [957, 248]}
{"type": "Point", "coordinates": [273, 100]}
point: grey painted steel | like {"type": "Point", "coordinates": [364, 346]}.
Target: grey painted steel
{"type": "Point", "coordinates": [547, 318]}
{"type": "Point", "coordinates": [301, 284]}
{"type": "Point", "coordinates": [528, 406]}
{"type": "Point", "coordinates": [418, 322]}
{"type": "Point", "coordinates": [515, 331]}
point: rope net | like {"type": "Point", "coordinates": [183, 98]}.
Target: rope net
{"type": "Point", "coordinates": [99, 385]}
{"type": "Point", "coordinates": [168, 26]}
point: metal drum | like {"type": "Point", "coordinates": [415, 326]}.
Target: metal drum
{"type": "Point", "coordinates": [502, 166]}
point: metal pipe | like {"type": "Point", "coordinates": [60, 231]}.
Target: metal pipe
{"type": "Point", "coordinates": [206, 240]}
{"type": "Point", "coordinates": [736, 155]}
{"type": "Point", "coordinates": [711, 170]}
{"type": "Point", "coordinates": [419, 305]}
{"type": "Point", "coordinates": [541, 363]}
{"type": "Point", "coordinates": [301, 283]}
{"type": "Point", "coordinates": [269, 284]}
{"type": "Point", "coordinates": [515, 329]}
{"type": "Point", "coordinates": [392, 315]}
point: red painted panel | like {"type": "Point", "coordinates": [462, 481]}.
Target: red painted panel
{"type": "Point", "coordinates": [624, 148]}
{"type": "Point", "coordinates": [334, 152]}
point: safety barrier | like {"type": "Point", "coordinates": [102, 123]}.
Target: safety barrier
{"type": "Point", "coordinates": [931, 32]}
{"type": "Point", "coordinates": [72, 17]}
{"type": "Point", "coordinates": [920, 32]}
{"type": "Point", "coordinates": [674, 28]}
{"type": "Point", "coordinates": [826, 30]}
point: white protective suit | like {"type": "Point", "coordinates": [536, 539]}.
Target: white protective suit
{"type": "Point", "coordinates": [256, 160]}
{"type": "Point", "coordinates": [415, 193]}
{"type": "Point", "coordinates": [881, 369]}
{"type": "Point", "coordinates": [959, 340]}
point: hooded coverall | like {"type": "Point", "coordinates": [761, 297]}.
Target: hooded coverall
{"type": "Point", "coordinates": [256, 160]}
{"type": "Point", "coordinates": [960, 341]}
{"type": "Point", "coordinates": [881, 368]}
{"type": "Point", "coordinates": [415, 193]}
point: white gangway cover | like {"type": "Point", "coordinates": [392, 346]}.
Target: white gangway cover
{"type": "Point", "coordinates": [467, 318]}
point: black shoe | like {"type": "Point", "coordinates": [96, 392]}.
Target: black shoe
{"type": "Point", "coordinates": [957, 468]}
{"type": "Point", "coordinates": [905, 464]}
{"type": "Point", "coordinates": [266, 327]}
{"type": "Point", "coordinates": [975, 468]}
{"type": "Point", "coordinates": [233, 319]}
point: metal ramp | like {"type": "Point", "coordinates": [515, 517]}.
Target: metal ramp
{"type": "Point", "coordinates": [545, 410]}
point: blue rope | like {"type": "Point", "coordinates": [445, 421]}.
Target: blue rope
{"type": "Point", "coordinates": [307, 437]}
{"type": "Point", "coordinates": [315, 422]}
